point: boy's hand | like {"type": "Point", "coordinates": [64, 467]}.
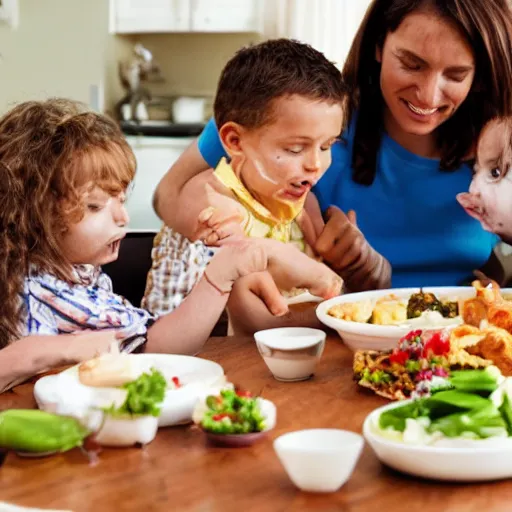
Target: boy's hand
{"type": "Point", "coordinates": [222, 221]}
{"type": "Point", "coordinates": [289, 268]}
{"type": "Point", "coordinates": [344, 247]}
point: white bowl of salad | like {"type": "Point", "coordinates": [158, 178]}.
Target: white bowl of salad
{"type": "Point", "coordinates": [458, 434]}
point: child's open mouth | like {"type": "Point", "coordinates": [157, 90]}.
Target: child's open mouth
{"type": "Point", "coordinates": [114, 246]}
{"type": "Point", "coordinates": [297, 190]}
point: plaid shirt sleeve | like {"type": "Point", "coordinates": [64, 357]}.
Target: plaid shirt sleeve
{"type": "Point", "coordinates": [178, 265]}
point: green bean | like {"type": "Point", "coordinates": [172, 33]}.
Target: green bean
{"type": "Point", "coordinates": [38, 431]}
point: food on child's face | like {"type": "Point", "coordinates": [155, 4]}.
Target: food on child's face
{"type": "Point", "coordinates": [488, 199]}
{"type": "Point", "coordinates": [37, 431]}
{"type": "Point", "coordinates": [421, 309]}
{"type": "Point", "coordinates": [232, 412]}
{"type": "Point", "coordinates": [477, 407]}
{"type": "Point", "coordinates": [420, 363]}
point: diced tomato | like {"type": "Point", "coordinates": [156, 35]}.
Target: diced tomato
{"type": "Point", "coordinates": [412, 335]}
{"type": "Point", "coordinates": [176, 382]}
{"type": "Point", "coordinates": [399, 357]}
{"type": "Point", "coordinates": [218, 417]}
{"type": "Point", "coordinates": [437, 345]}
{"type": "Point", "coordinates": [246, 394]}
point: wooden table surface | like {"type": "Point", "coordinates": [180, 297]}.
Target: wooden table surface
{"type": "Point", "coordinates": [179, 471]}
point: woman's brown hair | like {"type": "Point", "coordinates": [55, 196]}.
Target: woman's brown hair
{"type": "Point", "coordinates": [50, 152]}
{"type": "Point", "coordinates": [487, 26]}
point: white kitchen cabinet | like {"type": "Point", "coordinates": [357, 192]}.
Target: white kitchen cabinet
{"type": "Point", "coordinates": [154, 157]}
{"type": "Point", "coordinates": [146, 16]}
{"type": "Point", "coordinates": [226, 16]}
{"type": "Point", "coordinates": [143, 16]}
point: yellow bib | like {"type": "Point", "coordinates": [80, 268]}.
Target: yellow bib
{"type": "Point", "coordinates": [260, 221]}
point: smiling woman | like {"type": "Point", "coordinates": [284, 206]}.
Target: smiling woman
{"type": "Point", "coordinates": [424, 76]}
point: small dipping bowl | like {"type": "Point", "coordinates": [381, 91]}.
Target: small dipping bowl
{"type": "Point", "coordinates": [319, 460]}
{"type": "Point", "coordinates": [291, 353]}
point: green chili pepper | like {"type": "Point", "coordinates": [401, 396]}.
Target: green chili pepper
{"type": "Point", "coordinates": [506, 412]}
{"type": "Point", "coordinates": [453, 401]}
{"type": "Point", "coordinates": [475, 381]}
{"type": "Point", "coordinates": [395, 418]}
{"type": "Point", "coordinates": [38, 431]}
{"type": "Point", "coordinates": [484, 422]}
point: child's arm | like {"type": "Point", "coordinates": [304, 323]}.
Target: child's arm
{"type": "Point", "coordinates": [200, 193]}
{"type": "Point", "coordinates": [187, 328]}
{"type": "Point", "coordinates": [31, 355]}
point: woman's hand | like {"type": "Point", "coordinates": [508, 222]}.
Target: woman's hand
{"type": "Point", "coordinates": [343, 246]}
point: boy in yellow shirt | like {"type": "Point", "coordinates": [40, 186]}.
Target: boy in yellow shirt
{"type": "Point", "coordinates": [279, 109]}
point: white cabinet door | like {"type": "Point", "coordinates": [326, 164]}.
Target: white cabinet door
{"type": "Point", "coordinates": [226, 16]}
{"type": "Point", "coordinates": [154, 157]}
{"type": "Point", "coordinates": [139, 16]}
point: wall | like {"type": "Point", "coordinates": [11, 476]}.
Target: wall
{"type": "Point", "coordinates": [191, 63]}
{"type": "Point", "coordinates": [60, 48]}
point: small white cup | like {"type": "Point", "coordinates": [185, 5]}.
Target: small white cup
{"type": "Point", "coordinates": [319, 460]}
{"type": "Point", "coordinates": [291, 353]}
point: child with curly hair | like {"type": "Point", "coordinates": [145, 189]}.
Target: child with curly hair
{"type": "Point", "coordinates": [64, 173]}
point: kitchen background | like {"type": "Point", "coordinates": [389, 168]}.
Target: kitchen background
{"type": "Point", "coordinates": [74, 49]}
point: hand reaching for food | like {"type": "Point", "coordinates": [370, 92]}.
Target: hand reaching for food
{"type": "Point", "coordinates": [288, 266]}
{"type": "Point", "coordinates": [343, 246]}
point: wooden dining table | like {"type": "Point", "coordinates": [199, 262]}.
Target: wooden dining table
{"type": "Point", "coordinates": [180, 471]}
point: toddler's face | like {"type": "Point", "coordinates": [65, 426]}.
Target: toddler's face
{"type": "Point", "coordinates": [282, 160]}
{"type": "Point", "coordinates": [96, 238]}
{"type": "Point", "coordinates": [490, 195]}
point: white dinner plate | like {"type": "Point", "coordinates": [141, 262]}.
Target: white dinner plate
{"type": "Point", "coordinates": [64, 391]}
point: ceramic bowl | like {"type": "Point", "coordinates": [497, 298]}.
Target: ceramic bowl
{"type": "Point", "coordinates": [125, 431]}
{"type": "Point", "coordinates": [364, 336]}
{"type": "Point", "coordinates": [291, 353]}
{"type": "Point", "coordinates": [466, 461]}
{"type": "Point", "coordinates": [234, 440]}
{"type": "Point", "coordinates": [319, 460]}
{"type": "Point", "coordinates": [269, 412]}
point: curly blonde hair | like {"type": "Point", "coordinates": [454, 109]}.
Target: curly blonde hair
{"type": "Point", "coordinates": [51, 152]}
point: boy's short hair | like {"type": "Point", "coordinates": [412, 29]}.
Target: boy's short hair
{"type": "Point", "coordinates": [257, 75]}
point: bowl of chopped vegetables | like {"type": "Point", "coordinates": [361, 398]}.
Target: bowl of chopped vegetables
{"type": "Point", "coordinates": [234, 418]}
{"type": "Point", "coordinates": [458, 434]}
{"type": "Point", "coordinates": [375, 320]}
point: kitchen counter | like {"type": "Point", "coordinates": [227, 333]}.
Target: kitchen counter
{"type": "Point", "coordinates": [161, 128]}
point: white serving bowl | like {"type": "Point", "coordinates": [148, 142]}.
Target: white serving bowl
{"type": "Point", "coordinates": [291, 353]}
{"type": "Point", "coordinates": [472, 461]}
{"type": "Point", "coordinates": [319, 460]}
{"type": "Point", "coordinates": [363, 336]}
